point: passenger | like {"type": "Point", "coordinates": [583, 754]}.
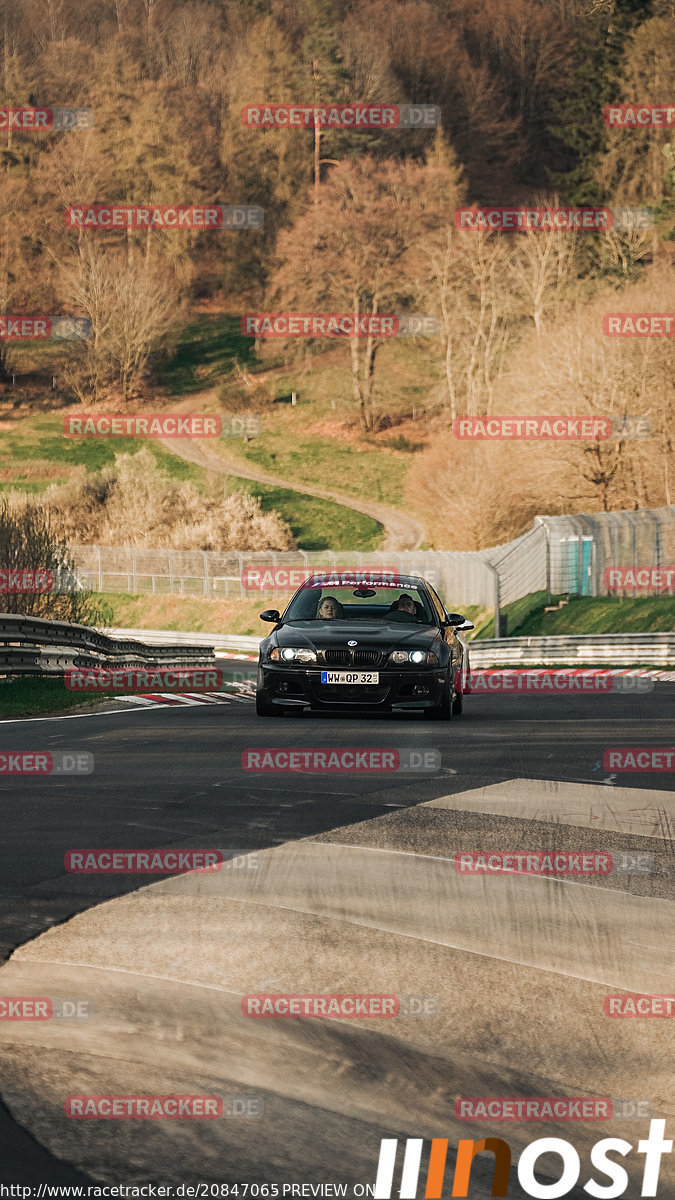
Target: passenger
{"type": "Point", "coordinates": [329, 609]}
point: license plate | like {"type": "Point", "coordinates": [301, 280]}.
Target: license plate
{"type": "Point", "coordinates": [350, 677]}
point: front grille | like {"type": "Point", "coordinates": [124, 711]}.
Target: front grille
{"type": "Point", "coordinates": [367, 658]}
{"type": "Point", "coordinates": [352, 658]}
{"type": "Point", "coordinates": [337, 658]}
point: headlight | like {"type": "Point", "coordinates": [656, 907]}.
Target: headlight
{"type": "Point", "coordinates": [295, 654]}
{"type": "Point", "coordinates": [417, 657]}
{"type": "Point", "coordinates": [400, 656]}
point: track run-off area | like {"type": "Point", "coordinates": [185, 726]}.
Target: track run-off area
{"type": "Point", "coordinates": [349, 885]}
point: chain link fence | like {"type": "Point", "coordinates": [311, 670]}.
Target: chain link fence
{"type": "Point", "coordinates": [627, 553]}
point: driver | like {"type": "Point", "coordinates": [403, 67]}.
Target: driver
{"type": "Point", "coordinates": [405, 604]}
{"type": "Point", "coordinates": [329, 609]}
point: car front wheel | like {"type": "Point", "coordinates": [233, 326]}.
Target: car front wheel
{"type": "Point", "coordinates": [458, 700]}
{"type": "Point", "coordinates": [443, 711]}
{"type": "Point", "coordinates": [263, 707]}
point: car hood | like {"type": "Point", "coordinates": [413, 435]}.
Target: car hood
{"type": "Point", "coordinates": [367, 633]}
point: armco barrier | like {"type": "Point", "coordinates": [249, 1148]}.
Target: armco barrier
{"type": "Point", "coordinates": [592, 650]}
{"type": "Point", "coordinates": [22, 642]}
{"type": "Point", "coordinates": [601, 650]}
{"type": "Point", "coordinates": [218, 641]}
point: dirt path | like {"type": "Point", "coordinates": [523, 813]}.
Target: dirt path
{"type": "Point", "coordinates": [402, 532]}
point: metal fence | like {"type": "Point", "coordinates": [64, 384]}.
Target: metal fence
{"type": "Point", "coordinates": [559, 556]}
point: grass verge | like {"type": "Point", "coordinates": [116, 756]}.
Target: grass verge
{"type": "Point", "coordinates": [192, 614]}
{"type": "Point", "coordinates": [373, 474]}
{"type": "Point", "coordinates": [601, 614]}
{"type": "Point", "coordinates": [204, 353]}
{"type": "Point", "coordinates": [316, 524]}
{"type": "Point", "coordinates": [30, 696]}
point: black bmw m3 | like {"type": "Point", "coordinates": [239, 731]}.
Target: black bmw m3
{"type": "Point", "coordinates": [367, 644]}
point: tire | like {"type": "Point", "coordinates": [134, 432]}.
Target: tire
{"type": "Point", "coordinates": [263, 707]}
{"type": "Point", "coordinates": [445, 709]}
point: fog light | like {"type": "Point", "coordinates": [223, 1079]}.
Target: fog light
{"type": "Point", "coordinates": [420, 690]}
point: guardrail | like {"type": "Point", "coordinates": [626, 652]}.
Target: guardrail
{"type": "Point", "coordinates": [592, 650]}
{"type": "Point", "coordinates": [218, 641]}
{"type": "Point", "coordinates": [617, 649]}
{"type": "Point", "coordinates": [22, 642]}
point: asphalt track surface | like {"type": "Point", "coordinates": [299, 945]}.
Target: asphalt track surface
{"type": "Point", "coordinates": [358, 894]}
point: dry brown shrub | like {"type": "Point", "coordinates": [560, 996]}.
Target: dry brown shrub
{"type": "Point", "coordinates": [134, 503]}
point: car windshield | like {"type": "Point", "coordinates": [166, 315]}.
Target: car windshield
{"type": "Point", "coordinates": [404, 604]}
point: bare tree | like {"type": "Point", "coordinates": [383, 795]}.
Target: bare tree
{"type": "Point", "coordinates": [131, 306]}
{"type": "Point", "coordinates": [30, 541]}
{"type": "Point", "coordinates": [353, 253]}
{"type": "Point", "coordinates": [544, 266]}
{"type": "Point", "coordinates": [580, 371]}
{"type": "Point", "coordinates": [467, 279]}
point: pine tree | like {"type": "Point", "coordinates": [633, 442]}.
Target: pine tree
{"type": "Point", "coordinates": [581, 132]}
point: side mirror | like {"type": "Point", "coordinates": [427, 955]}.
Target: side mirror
{"type": "Point", "coordinates": [270, 614]}
{"type": "Point", "coordinates": [465, 627]}
{"type": "Point", "coordinates": [454, 619]}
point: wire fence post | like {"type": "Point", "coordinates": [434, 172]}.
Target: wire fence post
{"type": "Point", "coordinates": [547, 553]}
{"type": "Point", "coordinates": [498, 615]}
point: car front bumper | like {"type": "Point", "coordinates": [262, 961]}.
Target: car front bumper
{"type": "Point", "coordinates": [300, 687]}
